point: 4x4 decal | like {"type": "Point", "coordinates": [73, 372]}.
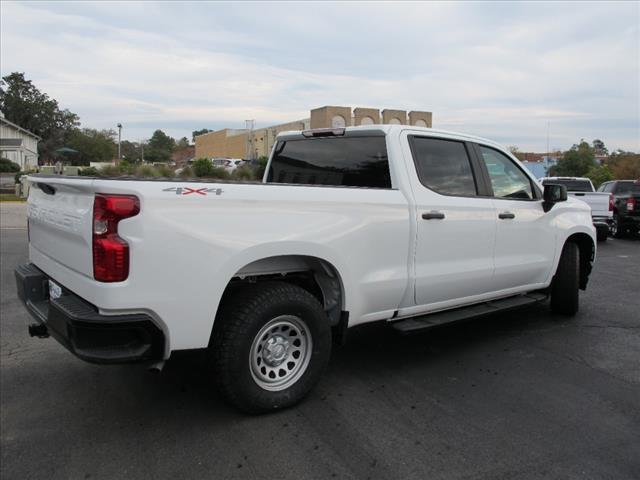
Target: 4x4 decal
{"type": "Point", "coordinates": [189, 191]}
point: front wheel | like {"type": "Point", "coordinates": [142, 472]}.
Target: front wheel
{"type": "Point", "coordinates": [270, 344]}
{"type": "Point", "coordinates": [566, 282]}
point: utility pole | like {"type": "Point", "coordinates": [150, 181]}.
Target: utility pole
{"type": "Point", "coordinates": [119, 138]}
{"type": "Point", "coordinates": [248, 125]}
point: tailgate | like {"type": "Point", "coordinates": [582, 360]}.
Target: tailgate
{"type": "Point", "coordinates": [60, 213]}
{"type": "Point", "coordinates": [598, 201]}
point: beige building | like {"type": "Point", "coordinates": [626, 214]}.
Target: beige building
{"type": "Point", "coordinates": [255, 143]}
{"type": "Point", "coordinates": [18, 145]}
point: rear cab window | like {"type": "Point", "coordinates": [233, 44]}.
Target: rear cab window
{"type": "Point", "coordinates": [340, 161]}
{"type": "Point", "coordinates": [443, 166]}
{"type": "Point", "coordinates": [572, 185]}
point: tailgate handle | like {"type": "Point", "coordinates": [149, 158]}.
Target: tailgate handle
{"type": "Point", "coordinates": [46, 188]}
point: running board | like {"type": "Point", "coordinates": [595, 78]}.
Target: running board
{"type": "Point", "coordinates": [423, 322]}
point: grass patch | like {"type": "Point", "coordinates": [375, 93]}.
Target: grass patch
{"type": "Point", "coordinates": [10, 197]}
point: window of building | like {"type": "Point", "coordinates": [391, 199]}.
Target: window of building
{"type": "Point", "coordinates": [335, 161]}
{"type": "Point", "coordinates": [366, 121]}
{"type": "Point", "coordinates": [507, 180]}
{"type": "Point", "coordinates": [395, 121]}
{"type": "Point", "coordinates": [443, 166]}
{"type": "Point", "coordinates": [421, 123]}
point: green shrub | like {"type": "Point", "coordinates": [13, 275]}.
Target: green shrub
{"type": "Point", "coordinates": [202, 167]}
{"type": "Point", "coordinates": [17, 176]}
{"type": "Point", "coordinates": [89, 172]}
{"type": "Point", "coordinates": [246, 172]}
{"type": "Point", "coordinates": [126, 168]}
{"type": "Point", "coordinates": [219, 172]}
{"type": "Point", "coordinates": [186, 173]}
{"type": "Point", "coordinates": [146, 171]}
{"type": "Point", "coordinates": [109, 171]}
{"type": "Point", "coordinates": [7, 165]}
{"type": "Point", "coordinates": [165, 171]}
{"type": "Point", "coordinates": [261, 167]}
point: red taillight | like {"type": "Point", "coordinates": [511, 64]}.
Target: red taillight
{"type": "Point", "coordinates": [631, 204]}
{"type": "Point", "coordinates": [611, 202]}
{"type": "Point", "coordinates": [110, 252]}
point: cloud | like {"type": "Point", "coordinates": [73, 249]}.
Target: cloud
{"type": "Point", "coordinates": [494, 69]}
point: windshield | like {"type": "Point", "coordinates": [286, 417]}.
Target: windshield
{"type": "Point", "coordinates": [572, 185]}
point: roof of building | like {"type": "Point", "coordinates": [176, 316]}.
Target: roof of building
{"type": "Point", "coordinates": [18, 127]}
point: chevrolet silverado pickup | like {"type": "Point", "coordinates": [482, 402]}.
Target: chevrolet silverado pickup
{"type": "Point", "coordinates": [582, 189]}
{"type": "Point", "coordinates": [406, 225]}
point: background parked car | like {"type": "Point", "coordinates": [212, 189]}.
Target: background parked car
{"type": "Point", "coordinates": [624, 201]}
{"type": "Point", "coordinates": [229, 164]}
{"type": "Point", "coordinates": [582, 189]}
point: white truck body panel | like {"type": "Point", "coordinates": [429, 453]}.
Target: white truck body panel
{"type": "Point", "coordinates": [391, 263]}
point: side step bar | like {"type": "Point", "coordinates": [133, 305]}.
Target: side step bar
{"type": "Point", "coordinates": [423, 322]}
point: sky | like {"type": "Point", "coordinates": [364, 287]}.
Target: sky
{"type": "Point", "coordinates": [511, 72]}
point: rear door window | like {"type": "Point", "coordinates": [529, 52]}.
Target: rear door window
{"type": "Point", "coordinates": [334, 161]}
{"type": "Point", "coordinates": [443, 166]}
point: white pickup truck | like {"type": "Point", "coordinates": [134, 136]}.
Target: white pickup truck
{"type": "Point", "coordinates": [600, 204]}
{"type": "Point", "coordinates": [412, 226]}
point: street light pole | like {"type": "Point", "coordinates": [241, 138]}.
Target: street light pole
{"type": "Point", "coordinates": [119, 137]}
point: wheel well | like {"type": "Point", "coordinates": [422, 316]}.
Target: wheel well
{"type": "Point", "coordinates": [587, 252]}
{"type": "Point", "coordinates": [317, 276]}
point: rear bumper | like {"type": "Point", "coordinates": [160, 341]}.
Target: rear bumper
{"type": "Point", "coordinates": [601, 222]}
{"type": "Point", "coordinates": [79, 327]}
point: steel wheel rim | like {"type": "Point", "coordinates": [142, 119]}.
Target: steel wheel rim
{"type": "Point", "coordinates": [280, 353]}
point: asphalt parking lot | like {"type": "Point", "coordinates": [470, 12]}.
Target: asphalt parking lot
{"type": "Point", "coordinates": [521, 395]}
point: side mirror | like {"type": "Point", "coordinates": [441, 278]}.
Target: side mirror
{"type": "Point", "coordinates": [553, 193]}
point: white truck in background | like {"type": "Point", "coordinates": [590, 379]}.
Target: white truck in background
{"type": "Point", "coordinates": [413, 226]}
{"type": "Point", "coordinates": [600, 204]}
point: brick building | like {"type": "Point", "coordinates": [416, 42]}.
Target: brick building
{"type": "Point", "coordinates": [251, 144]}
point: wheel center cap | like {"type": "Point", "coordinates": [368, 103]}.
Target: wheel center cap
{"type": "Point", "coordinates": [275, 350]}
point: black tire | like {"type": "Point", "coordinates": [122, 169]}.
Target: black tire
{"type": "Point", "coordinates": [235, 345]}
{"type": "Point", "coordinates": [566, 282]}
{"type": "Point", "coordinates": [602, 234]}
{"type": "Point", "coordinates": [616, 229]}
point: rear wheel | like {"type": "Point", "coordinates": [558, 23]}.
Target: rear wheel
{"type": "Point", "coordinates": [566, 282]}
{"type": "Point", "coordinates": [616, 229]}
{"type": "Point", "coordinates": [602, 234]}
{"type": "Point", "coordinates": [270, 345]}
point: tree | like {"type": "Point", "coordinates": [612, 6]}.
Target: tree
{"type": "Point", "coordinates": [625, 165]}
{"type": "Point", "coordinates": [599, 148]}
{"type": "Point", "coordinates": [514, 149]}
{"type": "Point", "coordinates": [576, 162]}
{"type": "Point", "coordinates": [93, 145]}
{"type": "Point", "coordinates": [23, 104]}
{"type": "Point", "coordinates": [131, 151]}
{"type": "Point", "coordinates": [195, 133]}
{"type": "Point", "coordinates": [182, 143]}
{"type": "Point", "coordinates": [599, 174]}
{"type": "Point", "coordinates": [160, 147]}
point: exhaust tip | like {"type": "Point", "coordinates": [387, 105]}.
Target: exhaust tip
{"type": "Point", "coordinates": [156, 367]}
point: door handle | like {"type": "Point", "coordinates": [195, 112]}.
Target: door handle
{"type": "Point", "coordinates": [506, 215]}
{"type": "Point", "coordinates": [433, 215]}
